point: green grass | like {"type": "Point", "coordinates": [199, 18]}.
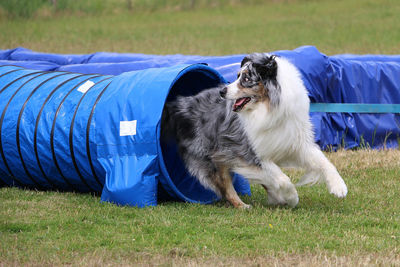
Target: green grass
{"type": "Point", "coordinates": [354, 26]}
{"type": "Point", "coordinates": [67, 228]}
{"type": "Point", "coordinates": [51, 228]}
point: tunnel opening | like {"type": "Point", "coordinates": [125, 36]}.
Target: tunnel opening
{"type": "Point", "coordinates": [178, 183]}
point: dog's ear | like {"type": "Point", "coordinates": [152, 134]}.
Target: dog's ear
{"type": "Point", "coordinates": [274, 92]}
{"type": "Point", "coordinates": [244, 60]}
{"type": "Point", "coordinates": [268, 68]}
{"type": "Point", "coordinates": [268, 71]}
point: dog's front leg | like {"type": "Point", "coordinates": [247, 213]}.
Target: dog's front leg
{"type": "Point", "coordinates": [286, 189]}
{"type": "Point", "coordinates": [280, 189]}
{"type": "Point", "coordinates": [319, 168]}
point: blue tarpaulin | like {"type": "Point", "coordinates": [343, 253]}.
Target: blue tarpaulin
{"type": "Point", "coordinates": [92, 122]}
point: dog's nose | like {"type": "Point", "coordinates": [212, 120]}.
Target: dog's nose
{"type": "Point", "coordinates": [223, 92]}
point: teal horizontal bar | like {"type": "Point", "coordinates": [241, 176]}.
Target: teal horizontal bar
{"type": "Point", "coordinates": [354, 108]}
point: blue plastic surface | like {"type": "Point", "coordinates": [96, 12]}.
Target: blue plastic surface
{"type": "Point", "coordinates": [58, 133]}
{"type": "Point", "coordinates": [354, 108]}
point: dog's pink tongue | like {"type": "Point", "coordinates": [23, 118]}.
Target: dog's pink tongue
{"type": "Point", "coordinates": [239, 102]}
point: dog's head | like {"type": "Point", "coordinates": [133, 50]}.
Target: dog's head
{"type": "Point", "coordinates": [256, 83]}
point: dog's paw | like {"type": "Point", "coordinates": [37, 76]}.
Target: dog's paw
{"type": "Point", "coordinates": [338, 188]}
{"type": "Point", "coordinates": [290, 195]}
{"type": "Point", "coordinates": [292, 201]}
{"type": "Point", "coordinates": [275, 200]}
{"type": "Point", "coordinates": [286, 195]}
{"type": "Point", "coordinates": [244, 207]}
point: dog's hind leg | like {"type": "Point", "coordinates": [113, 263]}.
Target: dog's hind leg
{"type": "Point", "coordinates": [216, 177]}
{"type": "Point", "coordinates": [223, 183]}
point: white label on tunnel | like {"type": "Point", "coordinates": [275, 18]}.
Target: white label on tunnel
{"type": "Point", "coordinates": [86, 86]}
{"type": "Point", "coordinates": [127, 128]}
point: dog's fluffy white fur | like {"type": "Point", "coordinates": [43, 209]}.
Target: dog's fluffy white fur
{"type": "Point", "coordinates": [282, 136]}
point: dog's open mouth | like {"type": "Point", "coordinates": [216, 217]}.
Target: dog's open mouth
{"type": "Point", "coordinates": [240, 103]}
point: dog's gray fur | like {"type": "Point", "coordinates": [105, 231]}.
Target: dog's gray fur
{"type": "Point", "coordinates": [209, 134]}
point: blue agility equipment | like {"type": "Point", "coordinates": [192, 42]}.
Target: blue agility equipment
{"type": "Point", "coordinates": [92, 122]}
{"type": "Point", "coordinates": [354, 108]}
{"type": "Point", "coordinates": [98, 133]}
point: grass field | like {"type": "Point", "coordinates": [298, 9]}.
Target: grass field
{"type": "Point", "coordinates": [52, 228]}
{"type": "Point", "coordinates": [351, 26]}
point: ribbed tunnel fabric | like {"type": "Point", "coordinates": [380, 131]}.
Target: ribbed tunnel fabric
{"type": "Point", "coordinates": [98, 133]}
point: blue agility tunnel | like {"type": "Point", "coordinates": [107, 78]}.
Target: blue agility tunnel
{"type": "Point", "coordinates": [98, 133]}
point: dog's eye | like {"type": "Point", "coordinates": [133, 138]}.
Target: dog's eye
{"type": "Point", "coordinates": [246, 79]}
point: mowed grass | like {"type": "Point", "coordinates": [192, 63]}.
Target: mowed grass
{"type": "Point", "coordinates": [42, 228]}
{"type": "Point", "coordinates": [52, 228]}
{"type": "Point", "coordinates": [343, 26]}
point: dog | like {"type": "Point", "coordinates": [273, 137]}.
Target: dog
{"type": "Point", "coordinates": [252, 127]}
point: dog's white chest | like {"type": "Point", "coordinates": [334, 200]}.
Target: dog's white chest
{"type": "Point", "coordinates": [274, 140]}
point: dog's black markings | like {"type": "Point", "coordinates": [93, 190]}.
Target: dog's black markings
{"type": "Point", "coordinates": [265, 66]}
{"type": "Point", "coordinates": [261, 68]}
